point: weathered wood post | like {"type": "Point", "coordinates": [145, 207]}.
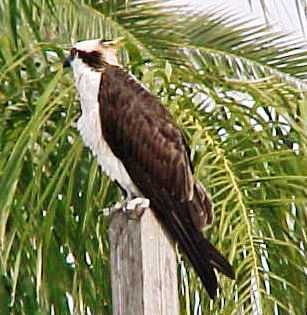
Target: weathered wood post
{"type": "Point", "coordinates": [143, 262]}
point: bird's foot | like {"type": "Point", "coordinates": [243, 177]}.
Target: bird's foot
{"type": "Point", "coordinates": [133, 208]}
{"type": "Point", "coordinates": [110, 211]}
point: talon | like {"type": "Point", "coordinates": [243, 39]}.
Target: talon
{"type": "Point", "coordinates": [134, 208]}
{"type": "Point", "coordinates": [106, 212]}
{"type": "Point", "coordinates": [137, 203]}
{"type": "Point", "coordinates": [110, 211]}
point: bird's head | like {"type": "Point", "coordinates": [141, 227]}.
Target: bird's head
{"type": "Point", "coordinates": [93, 53]}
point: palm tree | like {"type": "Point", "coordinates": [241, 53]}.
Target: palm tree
{"type": "Point", "coordinates": [238, 91]}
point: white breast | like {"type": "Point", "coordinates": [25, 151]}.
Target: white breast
{"type": "Point", "coordinates": [88, 82]}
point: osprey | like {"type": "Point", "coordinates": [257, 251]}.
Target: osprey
{"type": "Point", "coordinates": [139, 145]}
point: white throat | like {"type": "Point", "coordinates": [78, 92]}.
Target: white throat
{"type": "Point", "coordinates": [87, 82]}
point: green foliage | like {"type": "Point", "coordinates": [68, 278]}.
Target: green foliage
{"type": "Point", "coordinates": [237, 90]}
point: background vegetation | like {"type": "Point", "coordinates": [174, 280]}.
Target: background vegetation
{"type": "Point", "coordinates": [239, 92]}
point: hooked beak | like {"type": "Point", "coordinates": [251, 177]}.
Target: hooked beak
{"type": "Point", "coordinates": [119, 42]}
{"type": "Point", "coordinates": [67, 62]}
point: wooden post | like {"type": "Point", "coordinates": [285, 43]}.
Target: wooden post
{"type": "Point", "coordinates": [143, 263]}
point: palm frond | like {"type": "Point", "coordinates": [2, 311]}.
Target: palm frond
{"type": "Point", "coordinates": [238, 92]}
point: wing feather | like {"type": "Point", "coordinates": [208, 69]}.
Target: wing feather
{"type": "Point", "coordinates": [140, 131]}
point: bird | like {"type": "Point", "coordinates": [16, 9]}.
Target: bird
{"type": "Point", "coordinates": [139, 145]}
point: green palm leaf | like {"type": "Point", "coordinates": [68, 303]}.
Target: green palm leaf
{"type": "Point", "coordinates": [238, 92]}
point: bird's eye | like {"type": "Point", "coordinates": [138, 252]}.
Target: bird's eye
{"type": "Point", "coordinates": [73, 52]}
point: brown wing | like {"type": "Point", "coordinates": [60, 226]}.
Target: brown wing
{"type": "Point", "coordinates": [142, 134]}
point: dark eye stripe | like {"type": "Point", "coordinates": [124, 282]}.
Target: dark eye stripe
{"type": "Point", "coordinates": [92, 58]}
{"type": "Point", "coordinates": [73, 52]}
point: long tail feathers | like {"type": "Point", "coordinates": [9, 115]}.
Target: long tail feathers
{"type": "Point", "coordinates": [217, 260]}
{"type": "Point", "coordinates": [203, 256]}
{"type": "Point", "coordinates": [197, 258]}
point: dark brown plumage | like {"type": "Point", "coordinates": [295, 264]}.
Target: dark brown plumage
{"type": "Point", "coordinates": [143, 135]}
